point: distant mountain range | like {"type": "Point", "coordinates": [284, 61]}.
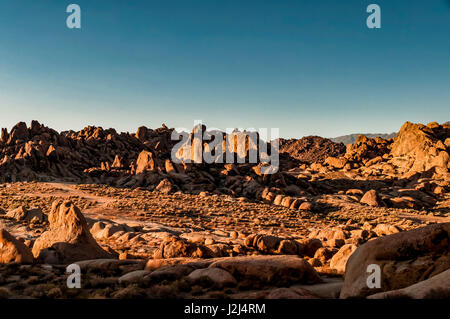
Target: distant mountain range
{"type": "Point", "coordinates": [350, 139]}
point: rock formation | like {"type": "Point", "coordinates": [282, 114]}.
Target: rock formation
{"type": "Point", "coordinates": [156, 227]}
{"type": "Point", "coordinates": [68, 240]}
{"type": "Point", "coordinates": [13, 250]}
{"type": "Point", "coordinates": [404, 258]}
{"type": "Point", "coordinates": [423, 147]}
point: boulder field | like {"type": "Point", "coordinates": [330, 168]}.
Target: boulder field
{"type": "Point", "coordinates": [366, 220]}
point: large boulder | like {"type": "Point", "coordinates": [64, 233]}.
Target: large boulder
{"type": "Point", "coordinates": [21, 213]}
{"type": "Point", "coordinates": [404, 259]}
{"type": "Point", "coordinates": [263, 243]}
{"type": "Point", "coordinates": [68, 239]}
{"type": "Point", "coordinates": [269, 244]}
{"type": "Point", "coordinates": [339, 260]}
{"type": "Point", "coordinates": [177, 247]}
{"type": "Point", "coordinates": [422, 146]}
{"type": "Point", "coordinates": [13, 250]}
{"type": "Point", "coordinates": [371, 198]}
{"type": "Point", "coordinates": [386, 229]}
{"type": "Point", "coordinates": [277, 270]}
{"type": "Point", "coordinates": [218, 277]}
{"type": "Point", "coordinates": [437, 287]}
{"type": "Point", "coordinates": [145, 162]}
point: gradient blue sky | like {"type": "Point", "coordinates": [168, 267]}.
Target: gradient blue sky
{"type": "Point", "coordinates": [307, 67]}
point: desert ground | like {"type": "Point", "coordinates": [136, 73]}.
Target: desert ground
{"type": "Point", "coordinates": [141, 226]}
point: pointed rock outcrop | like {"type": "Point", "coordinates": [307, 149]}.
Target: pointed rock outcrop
{"type": "Point", "coordinates": [68, 239]}
{"type": "Point", "coordinates": [13, 250]}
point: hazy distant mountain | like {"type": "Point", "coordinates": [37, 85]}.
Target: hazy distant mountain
{"type": "Point", "coordinates": [350, 139]}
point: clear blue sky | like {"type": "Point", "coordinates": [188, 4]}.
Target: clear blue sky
{"type": "Point", "coordinates": [307, 67]}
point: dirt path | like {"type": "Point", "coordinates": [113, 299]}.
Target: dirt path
{"type": "Point", "coordinates": [71, 191]}
{"type": "Point", "coordinates": [100, 210]}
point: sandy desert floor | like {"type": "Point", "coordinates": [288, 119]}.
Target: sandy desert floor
{"type": "Point", "coordinates": [134, 224]}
